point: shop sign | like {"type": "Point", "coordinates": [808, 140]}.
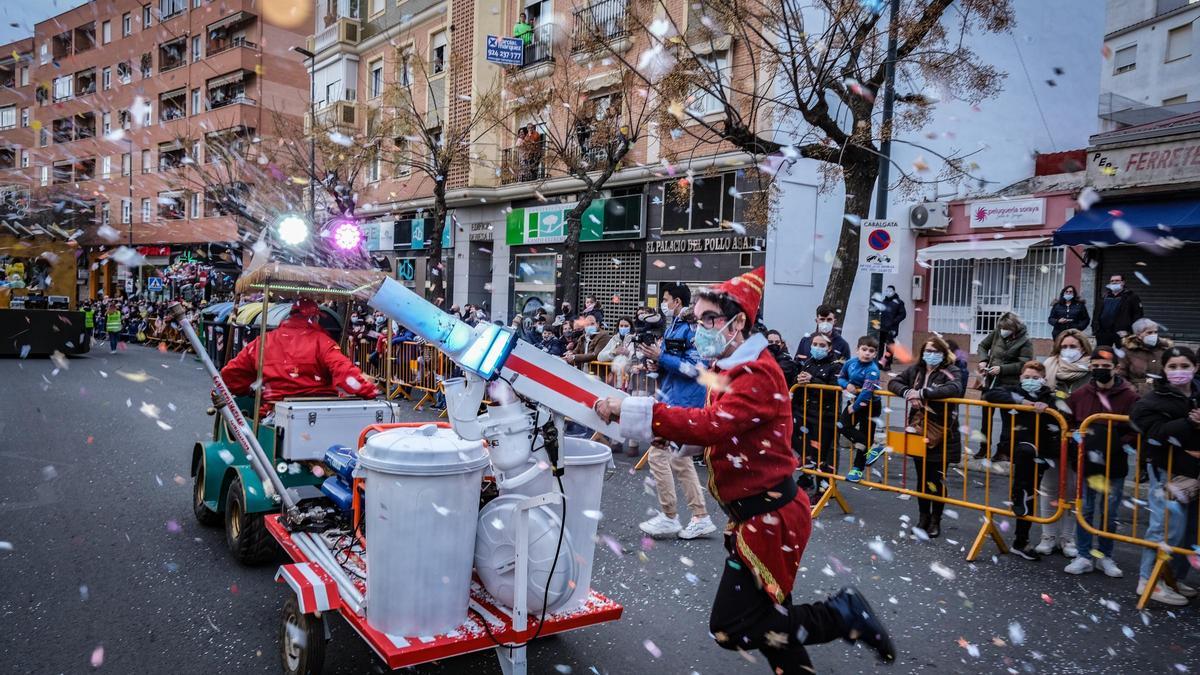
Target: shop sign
{"type": "Point", "coordinates": [410, 233]}
{"type": "Point", "coordinates": [1153, 164]}
{"type": "Point", "coordinates": [604, 219]}
{"type": "Point", "coordinates": [153, 251]}
{"type": "Point", "coordinates": [379, 235]}
{"type": "Point", "coordinates": [877, 247]}
{"type": "Point", "coordinates": [406, 269]}
{"type": "Point", "coordinates": [481, 231]}
{"type": "Point", "coordinates": [1007, 213]}
{"type": "Point", "coordinates": [704, 245]}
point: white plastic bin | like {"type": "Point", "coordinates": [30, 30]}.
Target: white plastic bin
{"type": "Point", "coordinates": [422, 497]}
{"type": "Point", "coordinates": [584, 463]}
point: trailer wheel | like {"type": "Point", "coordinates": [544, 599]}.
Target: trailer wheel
{"type": "Point", "coordinates": [204, 515]}
{"type": "Point", "coordinates": [301, 640]}
{"type": "Point", "coordinates": [245, 533]}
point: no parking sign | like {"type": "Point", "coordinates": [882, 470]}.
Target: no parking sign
{"type": "Point", "coordinates": [877, 247]}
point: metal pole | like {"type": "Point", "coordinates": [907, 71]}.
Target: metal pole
{"type": "Point", "coordinates": [262, 343]}
{"type": "Point", "coordinates": [885, 151]}
{"type": "Point", "coordinates": [312, 142]}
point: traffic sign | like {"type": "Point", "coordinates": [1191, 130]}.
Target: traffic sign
{"type": "Point", "coordinates": [877, 247]}
{"type": "Point", "coordinates": [154, 284]}
{"type": "Point", "coordinates": [506, 51]}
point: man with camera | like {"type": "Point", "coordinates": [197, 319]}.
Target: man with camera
{"type": "Point", "coordinates": [675, 359]}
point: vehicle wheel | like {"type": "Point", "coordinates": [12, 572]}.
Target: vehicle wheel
{"type": "Point", "coordinates": [301, 641]}
{"type": "Point", "coordinates": [245, 533]}
{"type": "Point", "coordinates": [204, 515]}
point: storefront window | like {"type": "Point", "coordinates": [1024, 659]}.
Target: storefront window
{"type": "Point", "coordinates": [534, 279]}
{"type": "Point", "coordinates": [707, 203]}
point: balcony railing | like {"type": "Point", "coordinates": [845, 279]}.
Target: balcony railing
{"type": "Point", "coordinates": [524, 162]}
{"type": "Point", "coordinates": [214, 104]}
{"type": "Point", "coordinates": [343, 30]}
{"type": "Point", "coordinates": [540, 49]}
{"type": "Point", "coordinates": [218, 46]}
{"type": "Point", "coordinates": [600, 22]}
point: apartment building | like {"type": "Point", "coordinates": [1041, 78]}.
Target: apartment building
{"type": "Point", "coordinates": [1150, 73]}
{"type": "Point", "coordinates": [125, 101]}
{"type": "Point", "coordinates": [16, 118]}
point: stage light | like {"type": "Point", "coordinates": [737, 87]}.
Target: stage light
{"type": "Point", "coordinates": [292, 230]}
{"type": "Point", "coordinates": [347, 235]}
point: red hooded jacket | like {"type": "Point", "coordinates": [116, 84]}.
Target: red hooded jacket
{"type": "Point", "coordinates": [300, 360]}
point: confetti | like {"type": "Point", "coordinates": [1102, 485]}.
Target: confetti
{"type": "Point", "coordinates": [652, 648]}
{"type": "Point", "coordinates": [97, 659]}
{"type": "Point", "coordinates": [944, 572]}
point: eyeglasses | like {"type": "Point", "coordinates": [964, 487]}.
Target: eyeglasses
{"type": "Point", "coordinates": [712, 320]}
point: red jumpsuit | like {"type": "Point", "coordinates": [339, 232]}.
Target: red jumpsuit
{"type": "Point", "coordinates": [300, 360]}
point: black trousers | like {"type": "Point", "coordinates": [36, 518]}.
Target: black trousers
{"type": "Point", "coordinates": [1000, 436]}
{"type": "Point", "coordinates": [1027, 471]}
{"type": "Point", "coordinates": [745, 617]}
{"type": "Point", "coordinates": [932, 480]}
{"type": "Point", "coordinates": [857, 426]}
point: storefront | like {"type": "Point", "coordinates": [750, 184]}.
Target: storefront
{"type": "Point", "coordinates": [1146, 224]}
{"type": "Point", "coordinates": [400, 245]}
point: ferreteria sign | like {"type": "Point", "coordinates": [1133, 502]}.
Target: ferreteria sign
{"type": "Point", "coordinates": [704, 245]}
{"type": "Point", "coordinates": [1152, 164]}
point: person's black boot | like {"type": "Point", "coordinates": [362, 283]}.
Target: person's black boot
{"type": "Point", "coordinates": [862, 624]}
{"type": "Point", "coordinates": [935, 527]}
{"type": "Point", "coordinates": [923, 523]}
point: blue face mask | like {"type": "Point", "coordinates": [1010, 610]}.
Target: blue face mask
{"type": "Point", "coordinates": [623, 330]}
{"type": "Point", "coordinates": [710, 343]}
{"type": "Point", "coordinates": [818, 353]}
{"type": "Point", "coordinates": [932, 359]}
{"type": "Point", "coordinates": [1032, 385]}
{"type": "Point", "coordinates": [590, 330]}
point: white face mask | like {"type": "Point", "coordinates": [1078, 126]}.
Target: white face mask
{"type": "Point", "coordinates": [1116, 288]}
{"type": "Point", "coordinates": [1004, 333]}
{"type": "Point", "coordinates": [825, 327]}
{"type": "Point", "coordinates": [1150, 340]}
{"type": "Point", "coordinates": [1070, 354]}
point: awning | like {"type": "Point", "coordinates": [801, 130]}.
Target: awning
{"type": "Point", "coordinates": [1133, 223]}
{"type": "Point", "coordinates": [228, 21]}
{"type": "Point", "coordinates": [1014, 249]}
{"type": "Point", "coordinates": [230, 78]}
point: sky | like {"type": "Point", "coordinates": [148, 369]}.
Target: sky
{"type": "Point", "coordinates": [25, 14]}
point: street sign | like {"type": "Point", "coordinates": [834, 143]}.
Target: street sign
{"type": "Point", "coordinates": [154, 284]}
{"type": "Point", "coordinates": [129, 287]}
{"type": "Point", "coordinates": [877, 247]}
{"type": "Point", "coordinates": [506, 51]}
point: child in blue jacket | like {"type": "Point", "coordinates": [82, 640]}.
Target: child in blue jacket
{"type": "Point", "coordinates": [860, 378]}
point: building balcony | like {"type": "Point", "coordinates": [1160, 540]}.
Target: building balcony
{"type": "Point", "coordinates": [341, 115]}
{"type": "Point", "coordinates": [523, 163]}
{"type": "Point", "coordinates": [541, 48]}
{"type": "Point", "coordinates": [344, 31]}
{"type": "Point", "coordinates": [601, 22]}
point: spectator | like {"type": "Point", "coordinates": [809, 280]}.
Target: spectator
{"type": "Point", "coordinates": [1105, 465]}
{"type": "Point", "coordinates": [814, 411]}
{"type": "Point", "coordinates": [676, 359]}
{"type": "Point", "coordinates": [922, 384]}
{"type": "Point", "coordinates": [1068, 312]}
{"type": "Point", "coordinates": [1169, 419]}
{"type": "Point", "coordinates": [1142, 354]}
{"type": "Point", "coordinates": [1035, 445]}
{"type": "Point", "coordinates": [1067, 369]}
{"type": "Point", "coordinates": [531, 153]}
{"type": "Point", "coordinates": [551, 343]}
{"type": "Point", "coordinates": [619, 353]}
{"type": "Point", "coordinates": [1003, 352]}
{"type": "Point", "coordinates": [960, 363]}
{"type": "Point", "coordinates": [565, 315]}
{"type": "Point", "coordinates": [826, 325]}
{"type": "Point", "coordinates": [588, 346]}
{"type": "Point", "coordinates": [891, 313]}
{"type": "Point", "coordinates": [859, 377]}
{"type": "Point", "coordinates": [783, 357]}
{"type": "Point", "coordinates": [1118, 309]}
{"type": "Point", "coordinates": [592, 308]}
{"type": "Point", "coordinates": [522, 29]}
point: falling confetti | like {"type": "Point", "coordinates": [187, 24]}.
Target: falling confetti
{"type": "Point", "coordinates": [943, 571]}
{"type": "Point", "coordinates": [652, 648]}
{"type": "Point", "coordinates": [97, 659]}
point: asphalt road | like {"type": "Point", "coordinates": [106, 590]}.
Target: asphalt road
{"type": "Point", "coordinates": [102, 563]}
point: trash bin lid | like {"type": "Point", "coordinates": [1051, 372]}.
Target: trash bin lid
{"type": "Point", "coordinates": [427, 450]}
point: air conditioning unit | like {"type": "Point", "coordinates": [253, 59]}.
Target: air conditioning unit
{"type": "Point", "coordinates": [929, 216]}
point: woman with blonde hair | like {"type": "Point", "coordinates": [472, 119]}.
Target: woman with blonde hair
{"type": "Point", "coordinates": [1067, 367]}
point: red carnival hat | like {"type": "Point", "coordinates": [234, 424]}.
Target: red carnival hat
{"type": "Point", "coordinates": [306, 308]}
{"type": "Point", "coordinates": [747, 291]}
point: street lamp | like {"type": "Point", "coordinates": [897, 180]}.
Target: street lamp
{"type": "Point", "coordinates": [312, 142]}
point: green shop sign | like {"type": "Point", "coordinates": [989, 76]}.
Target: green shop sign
{"type": "Point", "coordinates": [613, 218]}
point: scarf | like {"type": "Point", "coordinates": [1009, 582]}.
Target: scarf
{"type": "Point", "coordinates": [1060, 371]}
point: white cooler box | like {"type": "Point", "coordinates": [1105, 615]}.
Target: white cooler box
{"type": "Point", "coordinates": [311, 426]}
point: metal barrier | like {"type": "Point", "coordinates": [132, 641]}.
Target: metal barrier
{"type": "Point", "coordinates": [904, 440]}
{"type": "Point", "coordinates": [1103, 484]}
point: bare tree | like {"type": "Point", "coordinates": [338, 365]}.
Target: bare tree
{"type": "Point", "coordinates": [804, 79]}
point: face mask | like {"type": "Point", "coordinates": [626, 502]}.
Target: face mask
{"type": "Point", "coordinates": [1102, 375]}
{"type": "Point", "coordinates": [590, 330]}
{"type": "Point", "coordinates": [819, 353]}
{"type": "Point", "coordinates": [1032, 384]}
{"type": "Point", "coordinates": [710, 342]}
{"type": "Point", "coordinates": [1181, 377]}
{"type": "Point", "coordinates": [932, 359]}
{"type": "Point", "coordinates": [889, 293]}
{"type": "Point", "coordinates": [825, 327]}
{"type": "Point", "coordinates": [1068, 296]}
{"type": "Point", "coordinates": [1070, 355]}
{"type": "Point", "coordinates": [1150, 340]}
{"type": "Point", "coordinates": [623, 331]}
{"type": "Point", "coordinates": [1004, 333]}
{"type": "Point", "coordinates": [1116, 288]}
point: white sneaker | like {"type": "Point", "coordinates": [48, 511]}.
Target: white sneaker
{"type": "Point", "coordinates": [1046, 545]}
{"type": "Point", "coordinates": [661, 526]}
{"type": "Point", "coordinates": [1068, 548]}
{"type": "Point", "coordinates": [1081, 566]}
{"type": "Point", "coordinates": [1185, 590]}
{"type": "Point", "coordinates": [1109, 567]}
{"type": "Point", "coordinates": [698, 527]}
{"type": "Point", "coordinates": [1162, 594]}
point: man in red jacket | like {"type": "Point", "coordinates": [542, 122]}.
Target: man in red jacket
{"type": "Point", "coordinates": [300, 359]}
{"type": "Point", "coordinates": [747, 426]}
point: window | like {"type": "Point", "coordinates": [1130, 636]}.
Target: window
{"type": "Point", "coordinates": [85, 82]}
{"type": "Point", "coordinates": [437, 52]}
{"type": "Point", "coordinates": [85, 37]}
{"type": "Point", "coordinates": [85, 125]}
{"type": "Point", "coordinates": [43, 137]}
{"type": "Point", "coordinates": [106, 32]}
{"type": "Point", "coordinates": [25, 117]}
{"type": "Point", "coordinates": [146, 17]}
{"type": "Point", "coordinates": [171, 156]}
{"type": "Point", "coordinates": [105, 218]}
{"type": "Point", "coordinates": [195, 204]}
{"type": "Point", "coordinates": [196, 4]}
{"type": "Point", "coordinates": [147, 165]}
{"type": "Point", "coordinates": [713, 68]}
{"type": "Point", "coordinates": [85, 169]}
{"type": "Point", "coordinates": [1125, 59]}
{"type": "Point", "coordinates": [1175, 100]}
{"type": "Point", "coordinates": [45, 175]}
{"type": "Point", "coordinates": [711, 201]}
{"type": "Point", "coordinates": [170, 8]}
{"type": "Point", "coordinates": [404, 68]}
{"type": "Point", "coordinates": [148, 113]}
{"type": "Point", "coordinates": [435, 146]}
{"type": "Point", "coordinates": [106, 123]}
{"type": "Point", "coordinates": [171, 206]}
{"type": "Point", "coordinates": [196, 101]}
{"type": "Point", "coordinates": [106, 79]}
{"type": "Point", "coordinates": [24, 159]}
{"type": "Point", "coordinates": [64, 87]}
{"type": "Point", "coordinates": [376, 7]}
{"type": "Point", "coordinates": [195, 48]}
{"type": "Point", "coordinates": [145, 210]}
{"type": "Point", "coordinates": [375, 78]}
{"type": "Point", "coordinates": [401, 161]}
{"type": "Point", "coordinates": [125, 164]}
{"type": "Point", "coordinates": [8, 117]}
{"type": "Point", "coordinates": [534, 278]}
{"type": "Point", "coordinates": [373, 168]}
{"type": "Point", "coordinates": [124, 72]}
{"type": "Point", "coordinates": [171, 55]}
{"type": "Point", "coordinates": [126, 211]}
{"type": "Point", "coordinates": [147, 64]}
{"type": "Point", "coordinates": [105, 166]}
{"type": "Point", "coordinates": [24, 76]}
{"type": "Point", "coordinates": [61, 173]}
{"type": "Point", "coordinates": [172, 105]}
{"type": "Point", "coordinates": [126, 25]}
{"type": "Point", "coordinates": [1179, 42]}
{"type": "Point", "coordinates": [125, 119]}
